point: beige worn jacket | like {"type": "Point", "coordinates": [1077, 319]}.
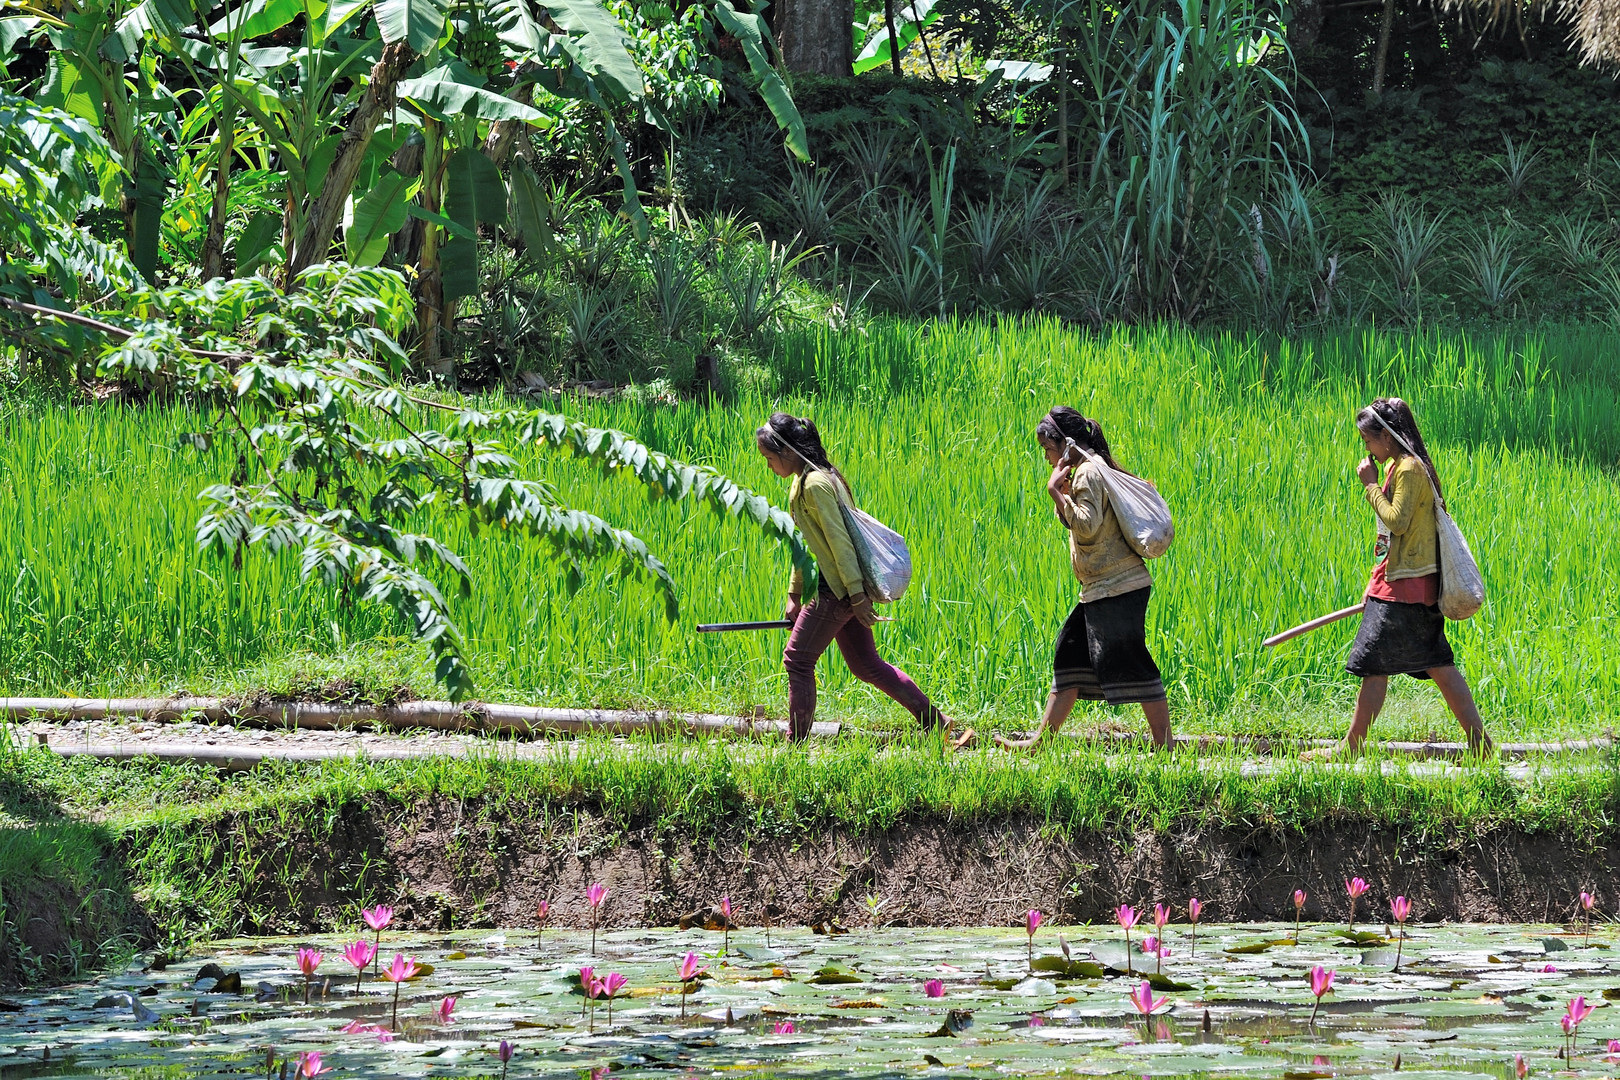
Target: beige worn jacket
{"type": "Point", "coordinates": [1101, 559]}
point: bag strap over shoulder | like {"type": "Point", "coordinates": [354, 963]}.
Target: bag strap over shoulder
{"type": "Point", "coordinates": [1438, 498]}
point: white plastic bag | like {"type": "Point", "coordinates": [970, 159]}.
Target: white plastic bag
{"type": "Point", "coordinates": [1143, 514]}
{"type": "Point", "coordinates": [884, 557]}
{"type": "Point", "coordinates": [1462, 586]}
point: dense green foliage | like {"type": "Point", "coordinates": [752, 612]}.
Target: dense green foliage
{"type": "Point", "coordinates": [1249, 438]}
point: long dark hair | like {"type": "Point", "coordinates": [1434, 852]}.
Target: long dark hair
{"type": "Point", "coordinates": [1063, 423]}
{"type": "Point", "coordinates": [796, 437]}
{"type": "Point", "coordinates": [1397, 415]}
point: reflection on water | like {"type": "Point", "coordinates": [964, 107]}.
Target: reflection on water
{"type": "Point", "coordinates": [1466, 1002]}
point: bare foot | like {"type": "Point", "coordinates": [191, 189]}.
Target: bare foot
{"type": "Point", "coordinates": [1024, 745]}
{"type": "Point", "coordinates": [964, 740]}
{"type": "Point", "coordinates": [1330, 753]}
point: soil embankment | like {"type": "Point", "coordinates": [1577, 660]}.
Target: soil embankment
{"type": "Point", "coordinates": [446, 863]}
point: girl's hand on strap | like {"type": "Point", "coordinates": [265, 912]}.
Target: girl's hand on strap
{"type": "Point", "coordinates": [1058, 484]}
{"type": "Point", "coordinates": [863, 610]}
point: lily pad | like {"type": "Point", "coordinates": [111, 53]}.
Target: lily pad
{"type": "Point", "coordinates": [1068, 969]}
{"type": "Point", "coordinates": [1552, 945]}
{"type": "Point", "coordinates": [1253, 947]}
{"type": "Point", "coordinates": [833, 976]}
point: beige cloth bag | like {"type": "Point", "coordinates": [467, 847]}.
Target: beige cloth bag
{"type": "Point", "coordinates": [1143, 514]}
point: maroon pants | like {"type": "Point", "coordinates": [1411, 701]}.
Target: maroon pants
{"type": "Point", "coordinates": [827, 619]}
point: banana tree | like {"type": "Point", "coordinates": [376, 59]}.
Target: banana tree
{"type": "Point", "coordinates": [102, 71]}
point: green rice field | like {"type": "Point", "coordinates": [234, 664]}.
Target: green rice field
{"type": "Point", "coordinates": [102, 590]}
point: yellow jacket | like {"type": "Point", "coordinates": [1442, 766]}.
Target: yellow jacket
{"type": "Point", "coordinates": [813, 502]}
{"type": "Point", "coordinates": [1408, 516]}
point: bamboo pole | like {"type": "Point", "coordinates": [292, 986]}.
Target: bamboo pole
{"type": "Point", "coordinates": [1314, 624]}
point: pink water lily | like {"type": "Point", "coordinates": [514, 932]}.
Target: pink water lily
{"type": "Point", "coordinates": [1614, 1047]}
{"type": "Point", "coordinates": [1299, 907]}
{"type": "Point", "coordinates": [1194, 910]}
{"type": "Point", "coordinates": [308, 961]}
{"type": "Point", "coordinates": [1125, 915]}
{"type": "Point", "coordinates": [1355, 887]}
{"type": "Point", "coordinates": [1401, 909]}
{"type": "Point", "coordinates": [784, 1027]}
{"type": "Point", "coordinates": [688, 971]}
{"type": "Point", "coordinates": [1161, 915]}
{"type": "Point", "coordinates": [934, 988]}
{"type": "Point", "coordinates": [1577, 1011]}
{"type": "Point", "coordinates": [399, 971]}
{"type": "Point", "coordinates": [311, 1065]}
{"type": "Point", "coordinates": [359, 955]}
{"type": "Point", "coordinates": [1032, 923]}
{"type": "Point", "coordinates": [1520, 1066]}
{"type": "Point", "coordinates": [504, 1052]}
{"type": "Point", "coordinates": [1142, 997]}
{"type": "Point", "coordinates": [594, 897]}
{"type": "Point", "coordinates": [1321, 983]}
{"type": "Point", "coordinates": [446, 1007]}
{"type": "Point", "coordinates": [610, 990]}
{"type": "Point", "coordinates": [542, 915]}
{"type": "Point", "coordinates": [1587, 903]}
{"type": "Point", "coordinates": [377, 919]}
{"type": "Point", "coordinates": [1037, 1020]}
{"type": "Point", "coordinates": [586, 974]}
{"type": "Point", "coordinates": [725, 913]}
{"type": "Point", "coordinates": [1548, 969]}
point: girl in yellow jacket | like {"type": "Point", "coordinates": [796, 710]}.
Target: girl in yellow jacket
{"type": "Point", "coordinates": [1402, 630]}
{"type": "Point", "coordinates": [840, 610]}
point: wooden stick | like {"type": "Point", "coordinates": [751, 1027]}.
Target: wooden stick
{"type": "Point", "coordinates": [1314, 624]}
{"type": "Point", "coordinates": [728, 627]}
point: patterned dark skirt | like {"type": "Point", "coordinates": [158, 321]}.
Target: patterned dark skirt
{"type": "Point", "coordinates": [1400, 639]}
{"type": "Point", "coordinates": [1102, 652]}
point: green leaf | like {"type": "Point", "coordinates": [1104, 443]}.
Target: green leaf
{"type": "Point", "coordinates": [14, 29]}
{"type": "Point", "coordinates": [159, 19]}
{"type": "Point", "coordinates": [260, 233]}
{"type": "Point", "coordinates": [454, 228]}
{"type": "Point", "coordinates": [377, 215]}
{"type": "Point", "coordinates": [151, 189]}
{"type": "Point", "coordinates": [458, 267]}
{"type": "Point", "coordinates": [876, 52]}
{"type": "Point", "coordinates": [601, 45]}
{"type": "Point", "coordinates": [750, 31]}
{"type": "Point", "coordinates": [418, 23]}
{"type": "Point", "coordinates": [532, 210]}
{"type": "Point", "coordinates": [259, 17]}
{"type": "Point", "coordinates": [66, 88]}
{"type": "Point", "coordinates": [442, 95]}
{"type": "Point", "coordinates": [473, 190]}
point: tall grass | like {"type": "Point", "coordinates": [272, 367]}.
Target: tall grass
{"type": "Point", "coordinates": [1249, 437]}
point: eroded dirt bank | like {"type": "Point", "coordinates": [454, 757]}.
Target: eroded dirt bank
{"type": "Point", "coordinates": [450, 863]}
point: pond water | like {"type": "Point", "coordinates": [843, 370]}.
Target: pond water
{"type": "Point", "coordinates": [1465, 1002]}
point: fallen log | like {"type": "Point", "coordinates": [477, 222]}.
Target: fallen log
{"type": "Point", "coordinates": [479, 717]}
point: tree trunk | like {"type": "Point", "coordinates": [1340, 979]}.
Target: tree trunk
{"type": "Point", "coordinates": [312, 244]}
{"type": "Point", "coordinates": [894, 37]}
{"type": "Point", "coordinates": [1381, 61]}
{"type": "Point", "coordinates": [429, 284]}
{"type": "Point", "coordinates": [213, 253]}
{"type": "Point", "coordinates": [815, 36]}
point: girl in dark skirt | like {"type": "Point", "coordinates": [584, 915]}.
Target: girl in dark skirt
{"type": "Point", "coordinates": [1102, 652]}
{"type": "Point", "coordinates": [1402, 630]}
